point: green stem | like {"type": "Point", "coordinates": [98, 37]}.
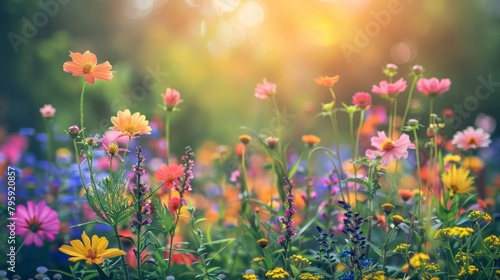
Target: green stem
{"type": "Point", "coordinates": [82, 94]}
{"type": "Point", "coordinates": [77, 159]}
{"type": "Point", "coordinates": [418, 173]}
{"type": "Point", "coordinates": [120, 247]}
{"type": "Point", "coordinates": [278, 132]}
{"type": "Point", "coordinates": [408, 102]}
{"type": "Point", "coordinates": [394, 116]}
{"type": "Point", "coordinates": [389, 132]}
{"type": "Point", "coordinates": [172, 234]}
{"type": "Point", "coordinates": [244, 187]}
{"type": "Point", "coordinates": [167, 134]}
{"type": "Point", "coordinates": [353, 154]}
{"type": "Point", "coordinates": [384, 252]}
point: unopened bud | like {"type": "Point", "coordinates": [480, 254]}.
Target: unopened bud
{"type": "Point", "coordinates": [73, 131]}
{"type": "Point", "coordinates": [418, 69]}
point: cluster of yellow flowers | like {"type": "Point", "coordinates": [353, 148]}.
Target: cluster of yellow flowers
{"type": "Point", "coordinates": [471, 269]}
{"type": "Point", "coordinates": [479, 216]}
{"type": "Point", "coordinates": [460, 232]}
{"type": "Point", "coordinates": [418, 260]}
{"type": "Point", "coordinates": [402, 248]}
{"type": "Point", "coordinates": [493, 242]}
{"type": "Point", "coordinates": [299, 261]}
{"type": "Point", "coordinates": [309, 276]}
{"type": "Point", "coordinates": [377, 275]}
{"type": "Point", "coordinates": [250, 277]}
{"type": "Point", "coordinates": [462, 257]}
{"type": "Point", "coordinates": [277, 273]}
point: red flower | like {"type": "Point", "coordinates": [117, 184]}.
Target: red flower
{"type": "Point", "coordinates": [169, 174]}
{"type": "Point", "coordinates": [362, 100]}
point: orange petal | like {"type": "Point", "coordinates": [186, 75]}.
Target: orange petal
{"type": "Point", "coordinates": [74, 68]}
{"type": "Point", "coordinates": [90, 57]}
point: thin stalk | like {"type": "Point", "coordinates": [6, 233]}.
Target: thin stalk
{"type": "Point", "coordinates": [120, 247]}
{"type": "Point", "coordinates": [418, 173]}
{"type": "Point", "coordinates": [167, 134]}
{"type": "Point", "coordinates": [407, 108]}
{"type": "Point", "coordinates": [353, 154]}
{"type": "Point", "coordinates": [394, 118]}
{"type": "Point", "coordinates": [82, 94]}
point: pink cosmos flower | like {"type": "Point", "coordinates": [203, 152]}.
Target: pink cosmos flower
{"type": "Point", "coordinates": [36, 222]}
{"type": "Point", "coordinates": [433, 87]}
{"type": "Point", "coordinates": [362, 99]}
{"type": "Point", "coordinates": [171, 98]}
{"type": "Point", "coordinates": [47, 111]}
{"type": "Point", "coordinates": [389, 149]}
{"type": "Point", "coordinates": [111, 149]}
{"type": "Point", "coordinates": [471, 138]}
{"type": "Point", "coordinates": [390, 89]}
{"type": "Point", "coordinates": [265, 90]}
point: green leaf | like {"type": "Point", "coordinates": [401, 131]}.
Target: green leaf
{"type": "Point", "coordinates": [295, 166]}
{"type": "Point", "coordinates": [375, 248]}
{"type": "Point", "coordinates": [295, 270]}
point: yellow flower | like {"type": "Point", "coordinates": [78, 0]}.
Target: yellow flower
{"type": "Point", "coordinates": [492, 242]}
{"type": "Point", "coordinates": [452, 158]}
{"type": "Point", "coordinates": [130, 125]}
{"type": "Point", "coordinates": [470, 270]}
{"type": "Point", "coordinates": [388, 207]}
{"type": "Point", "coordinates": [457, 180]}
{"type": "Point", "coordinates": [377, 275]}
{"type": "Point", "coordinates": [263, 242]}
{"type": "Point", "coordinates": [419, 259]}
{"type": "Point", "coordinates": [300, 261]}
{"type": "Point", "coordinates": [309, 276]}
{"type": "Point", "coordinates": [397, 219]}
{"type": "Point", "coordinates": [90, 251]}
{"type": "Point", "coordinates": [402, 248]}
{"type": "Point", "coordinates": [245, 139]}
{"type": "Point", "coordinates": [460, 232]}
{"type": "Point", "coordinates": [477, 215]}
{"type": "Point", "coordinates": [474, 163]}
{"type": "Point", "coordinates": [277, 273]}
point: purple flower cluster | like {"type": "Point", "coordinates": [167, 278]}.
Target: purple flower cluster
{"type": "Point", "coordinates": [141, 191]}
{"type": "Point", "coordinates": [286, 220]}
{"type": "Point", "coordinates": [182, 185]}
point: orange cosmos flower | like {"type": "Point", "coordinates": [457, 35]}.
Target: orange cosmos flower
{"type": "Point", "coordinates": [169, 174]}
{"type": "Point", "coordinates": [130, 125]}
{"type": "Point", "coordinates": [327, 81]}
{"type": "Point", "coordinates": [86, 65]}
{"type": "Point", "coordinates": [311, 140]}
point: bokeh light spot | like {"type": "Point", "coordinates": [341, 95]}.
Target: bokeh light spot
{"type": "Point", "coordinates": [251, 14]}
{"type": "Point", "coordinates": [403, 52]}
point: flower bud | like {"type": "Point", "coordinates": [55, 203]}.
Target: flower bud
{"type": "Point", "coordinates": [413, 123]}
{"type": "Point", "coordinates": [73, 131]}
{"type": "Point", "coordinates": [418, 69]}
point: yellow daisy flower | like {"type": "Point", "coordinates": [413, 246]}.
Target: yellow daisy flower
{"type": "Point", "coordinates": [457, 180]}
{"type": "Point", "coordinates": [90, 251]}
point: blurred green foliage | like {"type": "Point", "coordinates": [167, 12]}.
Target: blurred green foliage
{"type": "Point", "coordinates": [214, 52]}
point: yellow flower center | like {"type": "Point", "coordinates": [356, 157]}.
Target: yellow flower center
{"type": "Point", "coordinates": [88, 67]}
{"type": "Point", "coordinates": [131, 129]}
{"type": "Point", "coordinates": [387, 145]}
{"type": "Point", "coordinates": [113, 149]}
{"type": "Point", "coordinates": [92, 254]}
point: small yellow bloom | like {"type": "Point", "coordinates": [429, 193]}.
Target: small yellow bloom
{"type": "Point", "coordinates": [460, 232]}
{"type": "Point", "coordinates": [492, 242]}
{"type": "Point", "coordinates": [477, 215]}
{"type": "Point", "coordinates": [457, 180]}
{"type": "Point", "coordinates": [245, 139]}
{"type": "Point", "coordinates": [471, 269]}
{"type": "Point", "coordinates": [262, 242]}
{"type": "Point", "coordinates": [419, 259]}
{"type": "Point", "coordinates": [299, 261]}
{"type": "Point", "coordinates": [277, 273]}
{"type": "Point", "coordinates": [90, 251]}
{"type": "Point", "coordinates": [473, 163]}
{"type": "Point", "coordinates": [402, 248]}
{"type": "Point", "coordinates": [130, 125]}
{"type": "Point", "coordinates": [377, 275]}
{"type": "Point", "coordinates": [452, 158]}
{"type": "Point", "coordinates": [397, 219]}
{"type": "Point", "coordinates": [388, 207]}
{"type": "Point", "coordinates": [309, 276]}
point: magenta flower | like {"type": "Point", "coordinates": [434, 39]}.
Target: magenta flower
{"type": "Point", "coordinates": [433, 87]}
{"type": "Point", "coordinates": [47, 111]}
{"type": "Point", "coordinates": [362, 100]}
{"type": "Point", "coordinates": [471, 138]}
{"type": "Point", "coordinates": [265, 90]}
{"type": "Point", "coordinates": [36, 222]}
{"type": "Point", "coordinates": [111, 148]}
{"type": "Point", "coordinates": [389, 149]}
{"type": "Point", "coordinates": [171, 98]}
{"type": "Point", "coordinates": [389, 89]}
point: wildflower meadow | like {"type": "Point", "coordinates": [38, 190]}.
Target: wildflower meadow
{"type": "Point", "coordinates": [387, 181]}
